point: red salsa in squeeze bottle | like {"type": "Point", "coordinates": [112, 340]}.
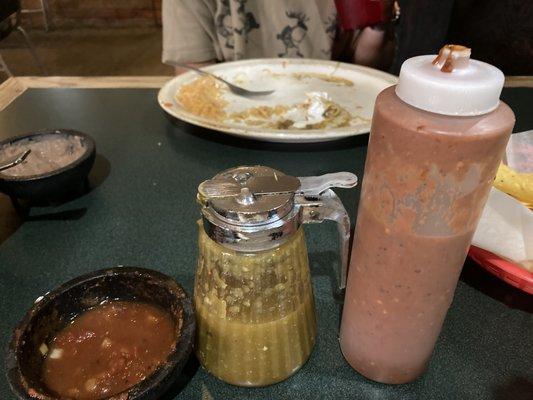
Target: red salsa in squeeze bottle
{"type": "Point", "coordinates": [436, 141]}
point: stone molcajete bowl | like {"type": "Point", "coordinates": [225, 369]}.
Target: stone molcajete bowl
{"type": "Point", "coordinates": [52, 311]}
{"type": "Point", "coordinates": [55, 184]}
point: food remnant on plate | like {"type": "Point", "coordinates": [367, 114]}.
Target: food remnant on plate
{"type": "Point", "coordinates": [107, 350]}
{"type": "Point", "coordinates": [48, 153]}
{"type": "Point", "coordinates": [324, 77]}
{"type": "Point", "coordinates": [203, 97]}
{"type": "Point", "coordinates": [317, 112]}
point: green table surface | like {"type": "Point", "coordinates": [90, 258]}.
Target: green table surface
{"type": "Point", "coordinates": [142, 212]}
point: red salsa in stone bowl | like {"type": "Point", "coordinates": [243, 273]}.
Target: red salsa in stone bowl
{"type": "Point", "coordinates": [121, 333]}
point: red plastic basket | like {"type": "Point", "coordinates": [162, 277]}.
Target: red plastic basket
{"type": "Point", "coordinates": [509, 272]}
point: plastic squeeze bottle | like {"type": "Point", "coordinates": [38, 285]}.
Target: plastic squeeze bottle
{"type": "Point", "coordinates": [436, 141]}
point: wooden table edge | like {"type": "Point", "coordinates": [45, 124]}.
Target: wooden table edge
{"type": "Point", "coordinates": [14, 87]}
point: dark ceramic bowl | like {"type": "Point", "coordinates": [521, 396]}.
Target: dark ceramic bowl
{"type": "Point", "coordinates": [55, 184]}
{"type": "Point", "coordinates": [54, 310]}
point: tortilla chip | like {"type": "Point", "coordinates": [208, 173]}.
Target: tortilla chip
{"type": "Point", "coordinates": [518, 185]}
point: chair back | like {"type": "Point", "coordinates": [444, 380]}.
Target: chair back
{"type": "Point", "coordinates": [8, 8]}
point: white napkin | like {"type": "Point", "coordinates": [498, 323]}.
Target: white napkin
{"type": "Point", "coordinates": [506, 225]}
{"type": "Point", "coordinates": [519, 152]}
{"type": "Point", "coordinates": [506, 229]}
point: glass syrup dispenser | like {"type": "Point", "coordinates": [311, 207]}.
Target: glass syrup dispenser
{"type": "Point", "coordinates": [253, 294]}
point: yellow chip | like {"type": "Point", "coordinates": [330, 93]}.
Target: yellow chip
{"type": "Point", "coordinates": [518, 185]}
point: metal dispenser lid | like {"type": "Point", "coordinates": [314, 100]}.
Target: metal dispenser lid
{"type": "Point", "coordinates": [254, 208]}
{"type": "Point", "coordinates": [250, 195]}
{"type": "Point", "coordinates": [250, 208]}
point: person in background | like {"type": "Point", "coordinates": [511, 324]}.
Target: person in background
{"type": "Point", "coordinates": [202, 32]}
{"type": "Point", "coordinates": [499, 32]}
{"type": "Point", "coordinates": [366, 32]}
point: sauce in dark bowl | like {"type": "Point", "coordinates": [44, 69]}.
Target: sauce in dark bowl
{"type": "Point", "coordinates": [58, 312]}
{"type": "Point", "coordinates": [107, 349]}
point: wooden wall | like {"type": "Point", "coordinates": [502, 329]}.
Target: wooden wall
{"type": "Point", "coordinates": [97, 13]}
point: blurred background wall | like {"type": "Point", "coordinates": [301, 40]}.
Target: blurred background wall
{"type": "Point", "coordinates": [97, 13]}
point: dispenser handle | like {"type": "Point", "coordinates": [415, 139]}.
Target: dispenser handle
{"type": "Point", "coordinates": [315, 185]}
{"type": "Point", "coordinates": [328, 207]}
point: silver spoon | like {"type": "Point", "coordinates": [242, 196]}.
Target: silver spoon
{"type": "Point", "coordinates": [14, 161]}
{"type": "Point", "coordinates": [239, 91]}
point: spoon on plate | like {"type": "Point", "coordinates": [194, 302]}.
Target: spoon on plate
{"type": "Point", "coordinates": [239, 91]}
{"type": "Point", "coordinates": [11, 162]}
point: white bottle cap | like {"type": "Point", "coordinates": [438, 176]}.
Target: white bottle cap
{"type": "Point", "coordinates": [450, 83]}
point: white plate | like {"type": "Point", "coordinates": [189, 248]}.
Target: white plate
{"type": "Point", "coordinates": [358, 99]}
